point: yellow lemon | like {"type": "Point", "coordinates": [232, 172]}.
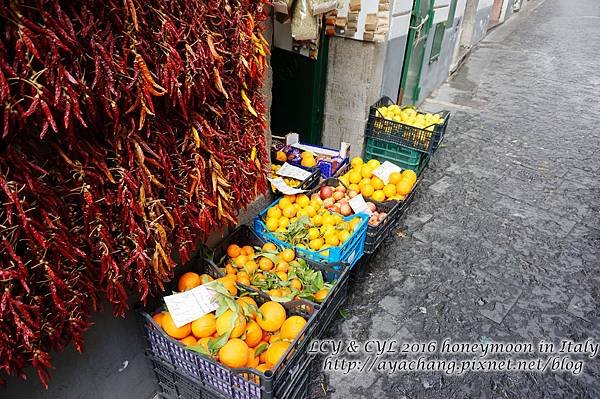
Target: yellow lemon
{"type": "Point", "coordinates": [356, 162]}
{"type": "Point", "coordinates": [377, 183]}
{"type": "Point", "coordinates": [366, 171]}
{"type": "Point", "coordinates": [302, 200]}
{"type": "Point", "coordinates": [378, 195]}
{"type": "Point", "coordinates": [272, 223]}
{"type": "Point", "coordinates": [374, 164]}
{"type": "Point", "coordinates": [274, 212]}
{"type": "Point", "coordinates": [389, 190]}
{"type": "Point", "coordinates": [395, 177]}
{"type": "Point", "coordinates": [354, 177]}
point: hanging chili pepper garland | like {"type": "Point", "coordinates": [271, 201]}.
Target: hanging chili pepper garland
{"type": "Point", "coordinates": [129, 131]}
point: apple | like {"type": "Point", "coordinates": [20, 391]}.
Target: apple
{"type": "Point", "coordinates": [338, 195]}
{"type": "Point", "coordinates": [328, 202]}
{"type": "Point", "coordinates": [372, 206]}
{"type": "Point", "coordinates": [345, 209]}
{"type": "Point", "coordinates": [340, 188]}
{"type": "Point", "coordinates": [336, 208]}
{"type": "Point", "coordinates": [325, 192]}
{"type": "Point", "coordinates": [315, 196]}
{"type": "Point", "coordinates": [352, 194]}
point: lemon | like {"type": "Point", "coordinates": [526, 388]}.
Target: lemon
{"type": "Point", "coordinates": [374, 164]}
{"type": "Point", "coordinates": [366, 171]}
{"type": "Point", "coordinates": [302, 200]}
{"type": "Point", "coordinates": [378, 195]}
{"type": "Point", "coordinates": [313, 233]}
{"type": "Point", "coordinates": [274, 212]}
{"type": "Point", "coordinates": [356, 162]}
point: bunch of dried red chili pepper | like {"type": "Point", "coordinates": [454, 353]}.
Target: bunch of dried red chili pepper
{"type": "Point", "coordinates": [129, 131]}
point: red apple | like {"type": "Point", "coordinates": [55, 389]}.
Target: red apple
{"type": "Point", "coordinates": [352, 194]}
{"type": "Point", "coordinates": [345, 209]}
{"type": "Point", "coordinates": [325, 192]}
{"type": "Point", "coordinates": [328, 202]}
{"type": "Point", "coordinates": [338, 195]}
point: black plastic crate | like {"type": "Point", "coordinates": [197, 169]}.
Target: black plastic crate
{"type": "Point", "coordinates": [175, 384]}
{"type": "Point", "coordinates": [390, 131]}
{"type": "Point", "coordinates": [244, 235]}
{"type": "Point", "coordinates": [376, 234]}
{"type": "Point", "coordinates": [308, 183]}
{"type": "Point", "coordinates": [241, 383]}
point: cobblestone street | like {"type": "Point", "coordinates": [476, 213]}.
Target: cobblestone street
{"type": "Point", "coordinates": [502, 241]}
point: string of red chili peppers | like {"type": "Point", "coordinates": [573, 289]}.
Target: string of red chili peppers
{"type": "Point", "coordinates": [129, 131]}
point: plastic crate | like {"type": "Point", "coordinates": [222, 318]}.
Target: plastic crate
{"type": "Point", "coordinates": [373, 152]}
{"type": "Point", "coordinates": [394, 209]}
{"type": "Point", "coordinates": [311, 181]}
{"type": "Point", "coordinates": [236, 383]}
{"type": "Point", "coordinates": [177, 385]}
{"type": "Point", "coordinates": [398, 133]}
{"type": "Point", "coordinates": [337, 273]}
{"type": "Point", "coordinates": [349, 252]}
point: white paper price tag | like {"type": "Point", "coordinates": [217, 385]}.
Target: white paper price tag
{"type": "Point", "coordinates": [359, 205]}
{"type": "Point", "coordinates": [282, 186]}
{"type": "Point", "coordinates": [385, 170]}
{"type": "Point", "coordinates": [188, 306]}
{"type": "Point", "coordinates": [294, 172]}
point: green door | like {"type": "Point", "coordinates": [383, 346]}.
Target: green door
{"type": "Point", "coordinates": [420, 25]}
{"type": "Point", "coordinates": [299, 93]}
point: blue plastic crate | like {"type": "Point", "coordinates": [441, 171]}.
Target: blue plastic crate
{"type": "Point", "coordinates": [349, 252]}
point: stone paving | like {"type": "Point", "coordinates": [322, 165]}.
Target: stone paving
{"type": "Point", "coordinates": [502, 242]}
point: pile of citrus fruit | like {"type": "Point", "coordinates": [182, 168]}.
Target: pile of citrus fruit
{"type": "Point", "coordinates": [304, 222]}
{"type": "Point", "coordinates": [410, 116]}
{"type": "Point", "coordinates": [238, 335]}
{"type": "Point", "coordinates": [276, 272]}
{"type": "Point", "coordinates": [288, 180]}
{"type": "Point", "coordinates": [360, 179]}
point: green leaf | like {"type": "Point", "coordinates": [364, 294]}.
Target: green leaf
{"type": "Point", "coordinates": [344, 313]}
{"type": "Point", "coordinates": [217, 343]}
{"type": "Point", "coordinates": [200, 349]}
{"type": "Point", "coordinates": [273, 258]}
{"type": "Point", "coordinates": [261, 348]}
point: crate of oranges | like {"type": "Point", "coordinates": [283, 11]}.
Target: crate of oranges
{"type": "Point", "coordinates": [249, 347]}
{"type": "Point", "coordinates": [277, 272]}
{"type": "Point", "coordinates": [303, 223]}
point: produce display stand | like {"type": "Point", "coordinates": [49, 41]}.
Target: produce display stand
{"type": "Point", "coordinates": [185, 374]}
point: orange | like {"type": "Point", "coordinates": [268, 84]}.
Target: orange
{"type": "Point", "coordinates": [233, 251]}
{"type": "Point", "coordinates": [249, 305]}
{"type": "Point", "coordinates": [394, 177]}
{"type": "Point", "coordinates": [291, 198]}
{"type": "Point", "coordinates": [253, 334]}
{"type": "Point", "coordinates": [343, 236]}
{"type": "Point", "coordinates": [354, 176]}
{"type": "Point", "coordinates": [276, 352]}
{"type": "Point", "coordinates": [282, 266]}
{"type": "Point", "coordinates": [316, 203]}
{"type": "Point", "coordinates": [377, 183]}
{"type": "Point", "coordinates": [205, 278]}
{"type": "Point", "coordinates": [296, 284]}
{"type": "Point", "coordinates": [292, 327]}
{"type": "Point", "coordinates": [366, 171]}
{"type": "Point", "coordinates": [188, 280]}
{"type": "Point", "coordinates": [234, 353]}
{"type": "Point", "coordinates": [265, 264]}
{"type": "Point", "coordinates": [243, 279]}
{"type": "Point", "coordinates": [410, 175]}
{"type": "Point", "coordinates": [274, 212]}
{"type": "Point", "coordinates": [286, 291]}
{"type": "Point", "coordinates": [251, 267]}
{"type": "Point", "coordinates": [248, 250]}
{"type": "Point", "coordinates": [205, 326]}
{"type": "Point", "coordinates": [240, 261]}
{"type": "Point", "coordinates": [275, 293]}
{"type": "Point", "coordinates": [378, 195]}
{"type": "Point", "coordinates": [284, 203]}
{"type": "Point", "coordinates": [274, 338]}
{"type": "Point", "coordinates": [290, 212]}
{"type": "Point", "coordinates": [302, 200]}
{"type": "Point", "coordinates": [332, 240]}
{"type": "Point", "coordinates": [253, 360]}
{"type": "Point", "coordinates": [272, 223]}
{"type": "Point", "coordinates": [229, 284]}
{"type": "Point", "coordinates": [284, 222]}
{"type": "Point", "coordinates": [310, 211]}
{"type": "Point", "coordinates": [263, 356]}
{"type": "Point", "coordinates": [262, 367]}
{"type": "Point", "coordinates": [287, 255]}
{"type": "Point", "coordinates": [269, 246]}
{"type": "Point", "coordinates": [158, 318]}
{"type": "Point", "coordinates": [188, 341]}
{"type": "Point", "coordinates": [169, 327]}
{"type": "Point", "coordinates": [374, 164]}
{"type": "Point", "coordinates": [271, 316]}
{"type": "Point", "coordinates": [230, 321]}
{"type": "Point", "coordinates": [356, 162]}
{"type": "Point", "coordinates": [329, 220]}
{"type": "Point", "coordinates": [317, 220]}
{"type": "Point", "coordinates": [367, 190]}
{"type": "Point", "coordinates": [404, 187]}
{"type": "Point", "coordinates": [316, 244]}
{"type": "Point", "coordinates": [389, 190]}
{"type": "Point", "coordinates": [321, 295]}
{"type": "Point", "coordinates": [230, 269]}
{"type": "Point", "coordinates": [282, 276]}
